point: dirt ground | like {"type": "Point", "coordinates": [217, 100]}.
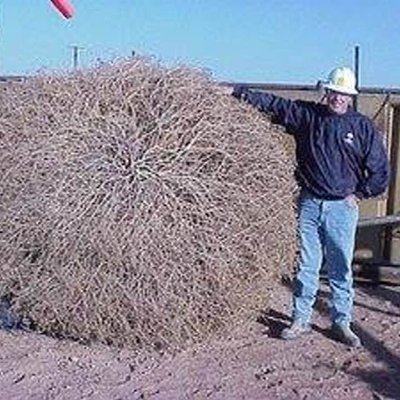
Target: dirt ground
{"type": "Point", "coordinates": [252, 364]}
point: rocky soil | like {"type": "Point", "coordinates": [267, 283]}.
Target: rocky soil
{"type": "Point", "coordinates": [252, 364]}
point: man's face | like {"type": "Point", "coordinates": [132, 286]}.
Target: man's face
{"type": "Point", "coordinates": [337, 102]}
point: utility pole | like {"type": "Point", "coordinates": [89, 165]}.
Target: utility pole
{"type": "Point", "coordinates": [75, 55]}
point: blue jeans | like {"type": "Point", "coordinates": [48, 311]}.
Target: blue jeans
{"type": "Point", "coordinates": [327, 234]}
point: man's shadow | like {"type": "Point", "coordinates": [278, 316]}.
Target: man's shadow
{"type": "Point", "coordinates": [383, 381]}
{"type": "Point", "coordinates": [274, 321]}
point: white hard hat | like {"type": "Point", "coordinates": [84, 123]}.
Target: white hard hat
{"type": "Point", "coordinates": [342, 80]}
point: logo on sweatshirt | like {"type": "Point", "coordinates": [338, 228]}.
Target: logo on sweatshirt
{"type": "Point", "coordinates": [349, 138]}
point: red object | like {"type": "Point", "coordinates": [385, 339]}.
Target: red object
{"type": "Point", "coordinates": [65, 7]}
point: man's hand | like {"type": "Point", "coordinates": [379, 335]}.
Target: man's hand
{"type": "Point", "coordinates": [352, 200]}
{"type": "Point", "coordinates": [225, 89]}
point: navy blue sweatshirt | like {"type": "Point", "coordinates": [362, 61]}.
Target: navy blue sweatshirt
{"type": "Point", "coordinates": [337, 155]}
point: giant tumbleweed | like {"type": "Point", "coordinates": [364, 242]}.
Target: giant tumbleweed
{"type": "Point", "coordinates": [140, 205]}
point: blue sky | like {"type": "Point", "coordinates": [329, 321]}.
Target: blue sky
{"type": "Point", "coordinates": [249, 40]}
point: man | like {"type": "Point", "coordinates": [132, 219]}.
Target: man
{"type": "Point", "coordinates": [341, 159]}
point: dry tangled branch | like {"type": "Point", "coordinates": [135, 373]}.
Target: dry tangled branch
{"type": "Point", "coordinates": [139, 205]}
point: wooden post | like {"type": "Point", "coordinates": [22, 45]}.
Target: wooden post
{"type": "Point", "coordinates": [391, 250]}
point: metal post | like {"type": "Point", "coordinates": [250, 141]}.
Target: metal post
{"type": "Point", "coordinates": [75, 55]}
{"type": "Point", "coordinates": [357, 74]}
{"type": "Point", "coordinates": [75, 48]}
